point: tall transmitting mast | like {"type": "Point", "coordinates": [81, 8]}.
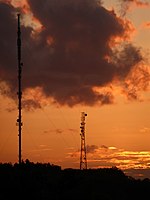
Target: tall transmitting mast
{"type": "Point", "coordinates": [83, 161]}
{"type": "Point", "coordinates": [19, 93]}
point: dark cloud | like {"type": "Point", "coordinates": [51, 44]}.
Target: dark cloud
{"type": "Point", "coordinates": [104, 156]}
{"type": "Point", "coordinates": [126, 4]}
{"type": "Point", "coordinates": [138, 80]}
{"type": "Point", "coordinates": [138, 2]}
{"type": "Point", "coordinates": [104, 147]}
{"type": "Point", "coordinates": [61, 131]}
{"type": "Point", "coordinates": [67, 59]}
{"type": "Point", "coordinates": [91, 148]}
{"type": "Point", "coordinates": [7, 38]}
{"type": "Point", "coordinates": [126, 58]}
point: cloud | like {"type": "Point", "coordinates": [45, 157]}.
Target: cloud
{"type": "Point", "coordinates": [137, 2]}
{"type": "Point", "coordinates": [145, 130]}
{"type": "Point", "coordinates": [138, 173]}
{"type": "Point", "coordinates": [91, 148]}
{"type": "Point", "coordinates": [146, 25]}
{"type": "Point", "coordinates": [137, 80]}
{"type": "Point", "coordinates": [69, 57]}
{"type": "Point", "coordinates": [126, 5]}
{"type": "Point", "coordinates": [57, 131]}
{"type": "Point", "coordinates": [61, 131]}
{"type": "Point", "coordinates": [99, 157]}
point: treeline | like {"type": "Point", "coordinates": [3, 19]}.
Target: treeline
{"type": "Point", "coordinates": [40, 181]}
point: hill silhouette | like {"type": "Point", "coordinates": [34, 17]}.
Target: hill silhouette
{"type": "Point", "coordinates": [40, 181]}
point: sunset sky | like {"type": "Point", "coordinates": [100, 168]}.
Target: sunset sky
{"type": "Point", "coordinates": [78, 55]}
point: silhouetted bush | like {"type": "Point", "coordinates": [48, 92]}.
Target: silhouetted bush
{"type": "Point", "coordinates": [39, 181]}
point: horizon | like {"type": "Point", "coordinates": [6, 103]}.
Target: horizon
{"type": "Point", "coordinates": [72, 66]}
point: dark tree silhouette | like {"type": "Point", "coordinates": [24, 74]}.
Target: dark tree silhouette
{"type": "Point", "coordinates": [46, 181]}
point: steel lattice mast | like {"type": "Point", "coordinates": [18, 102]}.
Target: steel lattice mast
{"type": "Point", "coordinates": [83, 160]}
{"type": "Point", "coordinates": [19, 93]}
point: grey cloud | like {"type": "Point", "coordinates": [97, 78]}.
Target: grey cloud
{"type": "Point", "coordinates": [74, 61]}
{"type": "Point", "coordinates": [91, 148]}
{"type": "Point", "coordinates": [125, 5]}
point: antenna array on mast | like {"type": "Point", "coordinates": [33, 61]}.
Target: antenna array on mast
{"type": "Point", "coordinates": [83, 161]}
{"type": "Point", "coordinates": [19, 93]}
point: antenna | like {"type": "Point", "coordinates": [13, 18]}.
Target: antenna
{"type": "Point", "coordinates": [83, 161]}
{"type": "Point", "coordinates": [19, 93]}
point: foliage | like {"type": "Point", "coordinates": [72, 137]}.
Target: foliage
{"type": "Point", "coordinates": [45, 181]}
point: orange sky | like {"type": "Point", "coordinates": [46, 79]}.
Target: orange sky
{"type": "Point", "coordinates": [117, 134]}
